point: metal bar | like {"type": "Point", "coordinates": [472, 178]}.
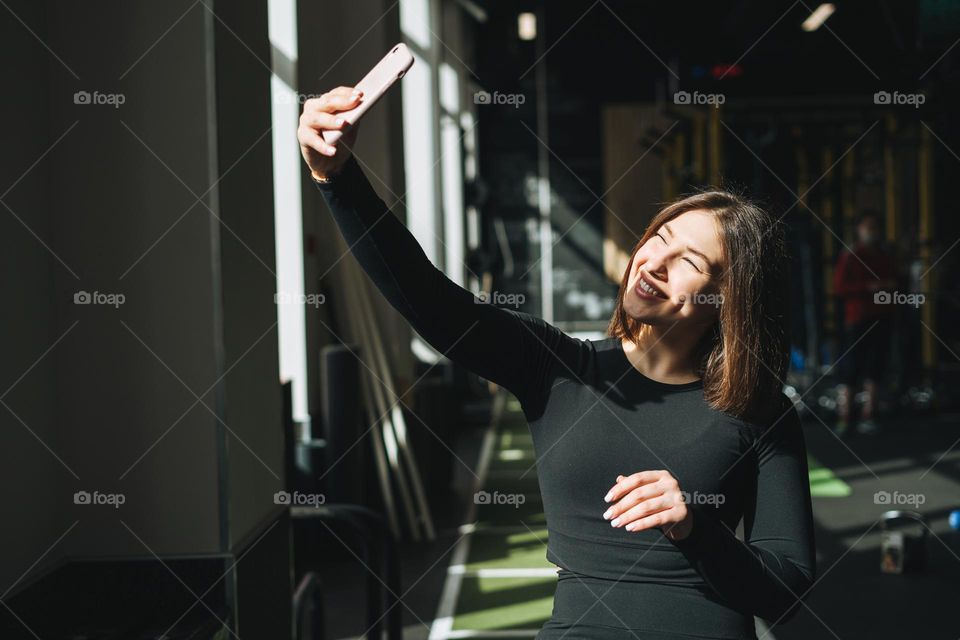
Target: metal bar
{"type": "Point", "coordinates": [398, 420]}
{"type": "Point", "coordinates": [364, 321]}
{"type": "Point", "coordinates": [369, 397]}
{"type": "Point", "coordinates": [543, 169]}
{"type": "Point", "coordinates": [890, 178]}
{"type": "Point", "coordinates": [924, 233]}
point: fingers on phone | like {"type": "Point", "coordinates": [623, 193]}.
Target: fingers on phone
{"type": "Point", "coordinates": [341, 102]}
{"type": "Point", "coordinates": [347, 91]}
{"type": "Point", "coordinates": [336, 101]}
{"type": "Point", "coordinates": [325, 148]}
{"type": "Point", "coordinates": [324, 120]}
{"type": "Point", "coordinates": [339, 99]}
{"type": "Point", "coordinates": [316, 142]}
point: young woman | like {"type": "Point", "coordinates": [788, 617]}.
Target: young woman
{"type": "Point", "coordinates": [652, 443]}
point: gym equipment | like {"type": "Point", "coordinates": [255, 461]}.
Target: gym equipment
{"type": "Point", "coordinates": [899, 551]}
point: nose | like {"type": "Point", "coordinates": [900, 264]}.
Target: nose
{"type": "Point", "coordinates": [656, 265]}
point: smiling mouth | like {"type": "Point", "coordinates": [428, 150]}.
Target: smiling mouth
{"type": "Point", "coordinates": [646, 289]}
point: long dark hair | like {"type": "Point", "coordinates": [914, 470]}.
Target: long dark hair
{"type": "Point", "coordinates": [743, 356]}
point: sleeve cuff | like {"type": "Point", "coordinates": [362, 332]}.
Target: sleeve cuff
{"type": "Point", "coordinates": [700, 534]}
{"type": "Point", "coordinates": [347, 173]}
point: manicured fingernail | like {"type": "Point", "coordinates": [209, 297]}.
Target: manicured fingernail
{"type": "Point", "coordinates": [338, 121]}
{"type": "Point", "coordinates": [356, 92]}
{"type": "Point", "coordinates": [330, 151]}
{"type": "Point", "coordinates": [630, 527]}
{"type": "Point", "coordinates": [606, 514]}
{"type": "Point", "coordinates": [608, 497]}
{"type": "Point", "coordinates": [615, 522]}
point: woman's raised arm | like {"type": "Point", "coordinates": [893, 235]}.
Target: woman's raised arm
{"type": "Point", "coordinates": [509, 347]}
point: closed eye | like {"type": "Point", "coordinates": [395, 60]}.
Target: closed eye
{"type": "Point", "coordinates": [692, 263]}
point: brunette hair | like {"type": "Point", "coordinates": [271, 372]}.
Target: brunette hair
{"type": "Point", "coordinates": [743, 357]}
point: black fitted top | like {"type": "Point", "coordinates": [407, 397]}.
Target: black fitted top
{"type": "Point", "coordinates": [594, 416]}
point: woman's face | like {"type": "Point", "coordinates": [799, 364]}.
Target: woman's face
{"type": "Point", "coordinates": [674, 275]}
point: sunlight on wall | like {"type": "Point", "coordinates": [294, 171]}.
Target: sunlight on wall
{"type": "Point", "coordinates": [288, 210]}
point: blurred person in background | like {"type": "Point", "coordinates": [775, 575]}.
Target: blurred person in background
{"type": "Point", "coordinates": [864, 279]}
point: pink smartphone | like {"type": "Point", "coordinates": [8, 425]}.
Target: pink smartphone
{"type": "Point", "coordinates": [383, 76]}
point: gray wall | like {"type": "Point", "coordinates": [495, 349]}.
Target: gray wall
{"type": "Point", "coordinates": [33, 479]}
{"type": "Point", "coordinates": [113, 398]}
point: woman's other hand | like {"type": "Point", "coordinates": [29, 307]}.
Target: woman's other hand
{"type": "Point", "coordinates": [649, 499]}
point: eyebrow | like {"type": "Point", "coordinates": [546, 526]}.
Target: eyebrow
{"type": "Point", "coordinates": [710, 265]}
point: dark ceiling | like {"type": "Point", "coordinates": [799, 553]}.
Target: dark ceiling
{"type": "Point", "coordinates": [624, 48]}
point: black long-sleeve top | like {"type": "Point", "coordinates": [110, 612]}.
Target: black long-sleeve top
{"type": "Point", "coordinates": [594, 416]}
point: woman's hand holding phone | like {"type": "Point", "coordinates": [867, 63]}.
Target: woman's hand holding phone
{"type": "Point", "coordinates": [320, 114]}
{"type": "Point", "coordinates": [333, 117]}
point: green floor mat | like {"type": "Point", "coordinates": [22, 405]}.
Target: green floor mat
{"type": "Point", "coordinates": [521, 550]}
{"type": "Point", "coordinates": [823, 484]}
{"type": "Point", "coordinates": [489, 604]}
{"type": "Point", "coordinates": [516, 461]}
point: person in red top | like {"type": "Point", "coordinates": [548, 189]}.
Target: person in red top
{"type": "Point", "coordinates": [864, 279]}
